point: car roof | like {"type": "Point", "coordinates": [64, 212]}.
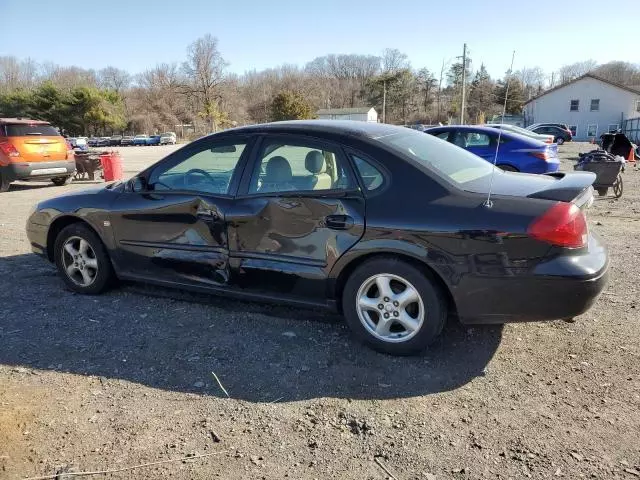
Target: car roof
{"type": "Point", "coordinates": [340, 127]}
{"type": "Point", "coordinates": [21, 120]}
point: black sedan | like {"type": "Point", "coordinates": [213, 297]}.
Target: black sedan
{"type": "Point", "coordinates": [391, 227]}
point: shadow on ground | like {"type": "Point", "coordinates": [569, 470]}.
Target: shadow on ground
{"type": "Point", "coordinates": [260, 353]}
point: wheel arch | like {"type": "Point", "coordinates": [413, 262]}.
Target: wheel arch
{"type": "Point", "coordinates": [351, 265]}
{"type": "Point", "coordinates": [61, 223]}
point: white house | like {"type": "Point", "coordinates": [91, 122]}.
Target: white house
{"type": "Point", "coordinates": [589, 105]}
{"type": "Point", "coordinates": [362, 114]}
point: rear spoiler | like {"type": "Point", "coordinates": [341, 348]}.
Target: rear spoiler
{"type": "Point", "coordinates": [572, 187]}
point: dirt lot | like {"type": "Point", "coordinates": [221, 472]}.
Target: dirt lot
{"type": "Point", "coordinates": [95, 383]}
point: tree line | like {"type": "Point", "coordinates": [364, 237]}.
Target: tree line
{"type": "Point", "coordinates": [202, 93]}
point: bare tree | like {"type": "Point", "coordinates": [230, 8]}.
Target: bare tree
{"type": "Point", "coordinates": [393, 61]}
{"type": "Point", "coordinates": [575, 70]}
{"type": "Point", "coordinates": [114, 79]}
{"type": "Point", "coordinates": [17, 74]}
{"type": "Point", "coordinates": [532, 80]}
{"type": "Point", "coordinates": [204, 69]}
{"type": "Point", "coordinates": [623, 73]}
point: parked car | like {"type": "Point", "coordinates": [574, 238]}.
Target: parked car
{"type": "Point", "coordinates": [33, 150]}
{"type": "Point", "coordinates": [419, 126]}
{"type": "Point", "coordinates": [93, 141]}
{"type": "Point", "coordinates": [153, 140]}
{"type": "Point", "coordinates": [139, 140]}
{"type": "Point", "coordinates": [517, 153]}
{"type": "Point", "coordinates": [560, 134]}
{"type": "Point", "coordinates": [80, 143]}
{"type": "Point", "coordinates": [103, 142]}
{"type": "Point", "coordinates": [115, 140]}
{"type": "Point", "coordinates": [167, 139]}
{"type": "Point", "coordinates": [126, 141]}
{"type": "Point", "coordinates": [386, 225]}
{"type": "Point", "coordinates": [522, 131]}
{"type": "Point", "coordinates": [173, 134]}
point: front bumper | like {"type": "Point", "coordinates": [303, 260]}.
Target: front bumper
{"type": "Point", "coordinates": [39, 170]}
{"type": "Point", "coordinates": [563, 287]}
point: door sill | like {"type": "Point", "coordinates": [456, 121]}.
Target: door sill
{"type": "Point", "coordinates": [329, 305]}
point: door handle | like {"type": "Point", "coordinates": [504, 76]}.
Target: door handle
{"type": "Point", "coordinates": [339, 222]}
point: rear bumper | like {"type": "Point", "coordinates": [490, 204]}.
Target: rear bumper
{"type": "Point", "coordinates": [39, 170]}
{"type": "Point", "coordinates": [563, 287]}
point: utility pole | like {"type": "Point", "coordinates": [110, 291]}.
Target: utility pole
{"type": "Point", "coordinates": [464, 81]}
{"type": "Point", "coordinates": [384, 100]}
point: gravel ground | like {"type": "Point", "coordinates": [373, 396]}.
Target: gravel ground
{"type": "Point", "coordinates": [96, 383]}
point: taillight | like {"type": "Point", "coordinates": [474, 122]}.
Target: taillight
{"type": "Point", "coordinates": [544, 155]}
{"type": "Point", "coordinates": [563, 225]}
{"type": "Point", "coordinates": [9, 150]}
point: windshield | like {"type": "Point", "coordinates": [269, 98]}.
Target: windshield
{"type": "Point", "coordinates": [453, 163]}
{"type": "Point", "coordinates": [25, 129]}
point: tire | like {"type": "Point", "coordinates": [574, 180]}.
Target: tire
{"type": "Point", "coordinates": [618, 187]}
{"type": "Point", "coordinates": [507, 168]}
{"type": "Point", "coordinates": [560, 140]}
{"type": "Point", "coordinates": [97, 279]}
{"type": "Point", "coordinates": [428, 310]}
{"type": "Point", "coordinates": [4, 183]}
{"type": "Point", "coordinates": [602, 191]}
{"type": "Point", "coordinates": [60, 181]}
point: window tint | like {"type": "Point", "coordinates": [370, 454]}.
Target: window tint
{"type": "Point", "coordinates": [25, 129]}
{"type": "Point", "coordinates": [371, 176]}
{"type": "Point", "coordinates": [575, 105]}
{"type": "Point", "coordinates": [595, 104]}
{"type": "Point", "coordinates": [296, 168]}
{"type": "Point", "coordinates": [443, 135]}
{"type": "Point", "coordinates": [207, 169]}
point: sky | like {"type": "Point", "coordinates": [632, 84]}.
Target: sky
{"type": "Point", "coordinates": [255, 34]}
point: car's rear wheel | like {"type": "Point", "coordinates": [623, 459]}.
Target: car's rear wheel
{"type": "Point", "coordinates": [602, 191]}
{"type": "Point", "coordinates": [393, 307]}
{"type": "Point", "coordinates": [559, 140]}
{"type": "Point", "coordinates": [60, 181]}
{"type": "Point", "coordinates": [507, 168]}
{"type": "Point", "coordinates": [82, 260]}
{"type": "Point", "coordinates": [4, 183]}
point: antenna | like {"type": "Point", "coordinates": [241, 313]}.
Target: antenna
{"type": "Point", "coordinates": [488, 203]}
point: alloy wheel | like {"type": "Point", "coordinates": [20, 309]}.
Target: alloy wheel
{"type": "Point", "coordinates": [80, 262]}
{"type": "Point", "coordinates": [390, 307]}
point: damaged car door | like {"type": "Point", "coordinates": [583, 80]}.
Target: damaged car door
{"type": "Point", "coordinates": [170, 223]}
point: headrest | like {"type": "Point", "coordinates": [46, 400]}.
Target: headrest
{"type": "Point", "coordinates": [278, 170]}
{"type": "Point", "coordinates": [314, 162]}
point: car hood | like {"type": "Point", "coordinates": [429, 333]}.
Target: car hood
{"type": "Point", "coordinates": [563, 187]}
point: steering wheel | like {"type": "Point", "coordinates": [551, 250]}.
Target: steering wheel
{"type": "Point", "coordinates": [198, 171]}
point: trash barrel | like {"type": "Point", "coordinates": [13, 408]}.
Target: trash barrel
{"type": "Point", "coordinates": [111, 166]}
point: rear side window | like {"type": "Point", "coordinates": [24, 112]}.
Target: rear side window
{"type": "Point", "coordinates": [25, 129]}
{"type": "Point", "coordinates": [371, 176]}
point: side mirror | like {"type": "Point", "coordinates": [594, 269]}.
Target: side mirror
{"type": "Point", "coordinates": [138, 184]}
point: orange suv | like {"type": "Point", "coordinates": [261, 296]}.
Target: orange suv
{"type": "Point", "coordinates": [33, 150]}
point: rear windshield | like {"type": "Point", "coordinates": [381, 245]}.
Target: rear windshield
{"type": "Point", "coordinates": [454, 163]}
{"type": "Point", "coordinates": [24, 129]}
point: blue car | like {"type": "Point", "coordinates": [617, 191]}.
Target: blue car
{"type": "Point", "coordinates": [153, 140]}
{"type": "Point", "coordinates": [139, 140]}
{"type": "Point", "coordinates": [517, 153]}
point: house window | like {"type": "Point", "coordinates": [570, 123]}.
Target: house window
{"type": "Point", "coordinates": [613, 127]}
{"type": "Point", "coordinates": [595, 104]}
{"type": "Point", "coordinates": [575, 106]}
{"type": "Point", "coordinates": [637, 105]}
{"type": "Point", "coordinates": [574, 130]}
{"type": "Point", "coordinates": [592, 130]}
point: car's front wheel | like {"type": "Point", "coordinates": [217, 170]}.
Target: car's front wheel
{"type": "Point", "coordinates": [559, 140]}
{"type": "Point", "coordinates": [393, 307]}
{"type": "Point", "coordinates": [82, 260]}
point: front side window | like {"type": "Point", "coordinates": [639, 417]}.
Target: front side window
{"type": "Point", "coordinates": [207, 168]}
{"type": "Point", "coordinates": [575, 105]}
{"type": "Point", "coordinates": [298, 167]}
{"type": "Point", "coordinates": [595, 104]}
{"type": "Point", "coordinates": [371, 176]}
{"type": "Point", "coordinates": [478, 140]}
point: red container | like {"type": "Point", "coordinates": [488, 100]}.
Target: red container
{"type": "Point", "coordinates": [111, 166]}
